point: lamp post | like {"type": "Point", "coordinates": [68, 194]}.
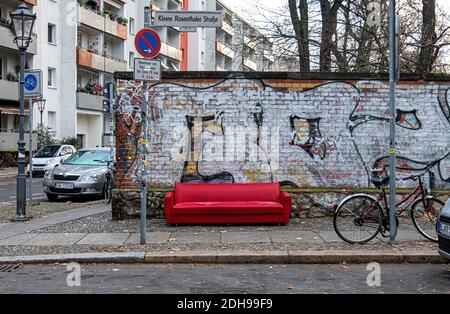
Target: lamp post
{"type": "Point", "coordinates": [41, 107]}
{"type": "Point", "coordinates": [23, 22]}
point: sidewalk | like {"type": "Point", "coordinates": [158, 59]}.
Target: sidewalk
{"type": "Point", "coordinates": [91, 235]}
{"type": "Point", "coordinates": [7, 173]}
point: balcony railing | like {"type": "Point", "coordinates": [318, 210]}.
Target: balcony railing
{"type": "Point", "coordinates": [9, 90]}
{"type": "Point", "coordinates": [92, 59]}
{"type": "Point", "coordinates": [7, 39]}
{"type": "Point", "coordinates": [89, 101]}
{"type": "Point", "coordinates": [9, 138]}
{"type": "Point", "coordinates": [107, 22]}
{"type": "Point", "coordinates": [225, 49]}
{"type": "Point", "coordinates": [171, 51]}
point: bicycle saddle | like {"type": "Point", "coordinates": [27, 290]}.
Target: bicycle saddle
{"type": "Point", "coordinates": [380, 181]}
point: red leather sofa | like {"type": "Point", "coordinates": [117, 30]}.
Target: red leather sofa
{"type": "Point", "coordinates": [234, 203]}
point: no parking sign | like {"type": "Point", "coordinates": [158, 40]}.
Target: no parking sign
{"type": "Point", "coordinates": [147, 43]}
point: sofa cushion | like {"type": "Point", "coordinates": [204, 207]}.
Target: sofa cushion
{"type": "Point", "coordinates": [221, 208]}
{"type": "Point", "coordinates": [199, 192]}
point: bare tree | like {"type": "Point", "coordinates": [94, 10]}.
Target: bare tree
{"type": "Point", "coordinates": [301, 24]}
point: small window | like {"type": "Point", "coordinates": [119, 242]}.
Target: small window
{"type": "Point", "coordinates": [131, 59]}
{"type": "Point", "coordinates": [51, 120]}
{"type": "Point", "coordinates": [132, 26]}
{"type": "Point", "coordinates": [51, 34]}
{"type": "Point", "coordinates": [51, 79]}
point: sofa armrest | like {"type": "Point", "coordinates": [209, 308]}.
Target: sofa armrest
{"type": "Point", "coordinates": [286, 202]}
{"type": "Point", "coordinates": [169, 202]}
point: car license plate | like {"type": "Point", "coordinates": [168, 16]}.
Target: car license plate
{"type": "Point", "coordinates": [444, 230]}
{"type": "Point", "coordinates": [64, 186]}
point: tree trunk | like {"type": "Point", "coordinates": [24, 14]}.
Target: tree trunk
{"type": "Point", "coordinates": [300, 24]}
{"type": "Point", "coordinates": [329, 25]}
{"type": "Point", "coordinates": [426, 54]}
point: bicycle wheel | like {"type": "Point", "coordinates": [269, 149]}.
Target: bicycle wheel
{"type": "Point", "coordinates": [425, 214]}
{"type": "Point", "coordinates": [358, 219]}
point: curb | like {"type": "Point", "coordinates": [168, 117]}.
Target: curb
{"type": "Point", "coordinates": [237, 257]}
{"type": "Point", "coordinates": [131, 257]}
{"type": "Point", "coordinates": [295, 257]}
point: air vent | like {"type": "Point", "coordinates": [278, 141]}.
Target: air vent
{"type": "Point", "coordinates": [9, 268]}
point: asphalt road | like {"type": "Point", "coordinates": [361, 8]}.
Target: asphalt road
{"type": "Point", "coordinates": [8, 190]}
{"type": "Point", "coordinates": [223, 279]}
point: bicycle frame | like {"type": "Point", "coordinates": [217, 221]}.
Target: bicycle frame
{"type": "Point", "coordinates": [409, 199]}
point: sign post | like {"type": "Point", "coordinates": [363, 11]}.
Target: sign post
{"type": "Point", "coordinates": [148, 44]}
{"type": "Point", "coordinates": [32, 88]}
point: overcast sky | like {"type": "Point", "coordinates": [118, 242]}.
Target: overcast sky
{"type": "Point", "coordinates": [244, 6]}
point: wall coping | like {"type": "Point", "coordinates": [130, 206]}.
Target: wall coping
{"type": "Point", "coordinates": [172, 75]}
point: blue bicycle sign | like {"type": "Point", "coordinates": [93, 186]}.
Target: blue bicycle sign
{"type": "Point", "coordinates": [33, 83]}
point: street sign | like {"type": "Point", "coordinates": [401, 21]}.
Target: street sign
{"type": "Point", "coordinates": [33, 83]}
{"type": "Point", "coordinates": [147, 70]}
{"type": "Point", "coordinates": [188, 18]}
{"type": "Point", "coordinates": [147, 43]}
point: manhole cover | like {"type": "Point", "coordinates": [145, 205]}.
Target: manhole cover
{"type": "Point", "coordinates": [9, 268]}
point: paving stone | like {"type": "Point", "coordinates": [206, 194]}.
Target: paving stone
{"type": "Point", "coordinates": [151, 238]}
{"type": "Point", "coordinates": [104, 239]}
{"type": "Point", "coordinates": [409, 235]}
{"type": "Point", "coordinates": [43, 239]}
{"type": "Point", "coordinates": [331, 236]}
{"type": "Point", "coordinates": [245, 237]}
{"type": "Point", "coordinates": [18, 239]}
{"type": "Point", "coordinates": [295, 236]}
{"type": "Point", "coordinates": [195, 237]}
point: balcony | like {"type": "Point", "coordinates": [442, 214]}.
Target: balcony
{"type": "Point", "coordinates": [227, 28]}
{"type": "Point", "coordinates": [89, 101]}
{"type": "Point", "coordinates": [8, 141]}
{"type": "Point", "coordinates": [7, 40]}
{"type": "Point", "coordinates": [250, 64]}
{"type": "Point", "coordinates": [9, 90]}
{"type": "Point", "coordinates": [249, 42]}
{"type": "Point", "coordinates": [95, 61]}
{"type": "Point", "coordinates": [225, 49]}
{"type": "Point", "coordinates": [171, 51]}
{"type": "Point", "coordinates": [95, 20]}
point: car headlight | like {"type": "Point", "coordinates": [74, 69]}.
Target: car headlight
{"type": "Point", "coordinates": [48, 175]}
{"type": "Point", "coordinates": [91, 177]}
{"type": "Point", "coordinates": [50, 161]}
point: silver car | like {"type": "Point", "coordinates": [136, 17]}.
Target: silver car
{"type": "Point", "coordinates": [83, 173]}
{"type": "Point", "coordinates": [443, 230]}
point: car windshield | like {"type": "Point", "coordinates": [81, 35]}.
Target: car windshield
{"type": "Point", "coordinates": [88, 158]}
{"type": "Point", "coordinates": [47, 152]}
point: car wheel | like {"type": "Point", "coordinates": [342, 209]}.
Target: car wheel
{"type": "Point", "coordinates": [52, 197]}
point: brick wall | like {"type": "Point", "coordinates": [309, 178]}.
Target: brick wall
{"type": "Point", "coordinates": [304, 133]}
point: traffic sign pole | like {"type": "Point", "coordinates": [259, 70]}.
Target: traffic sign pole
{"type": "Point", "coordinates": [30, 163]}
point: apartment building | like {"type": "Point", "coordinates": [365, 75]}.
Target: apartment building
{"type": "Point", "coordinates": [80, 44]}
{"type": "Point", "coordinates": [236, 46]}
{"type": "Point", "coordinates": [9, 76]}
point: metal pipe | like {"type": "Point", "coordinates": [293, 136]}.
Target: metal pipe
{"type": "Point", "coordinates": [21, 209]}
{"type": "Point", "coordinates": [30, 163]}
{"type": "Point", "coordinates": [144, 166]}
{"type": "Point", "coordinates": [392, 144]}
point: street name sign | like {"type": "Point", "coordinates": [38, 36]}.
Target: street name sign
{"type": "Point", "coordinates": [147, 70]}
{"type": "Point", "coordinates": [33, 83]}
{"type": "Point", "coordinates": [147, 43]}
{"type": "Point", "coordinates": [188, 19]}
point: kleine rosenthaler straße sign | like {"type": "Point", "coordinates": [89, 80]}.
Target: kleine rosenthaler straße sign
{"type": "Point", "coordinates": [188, 18]}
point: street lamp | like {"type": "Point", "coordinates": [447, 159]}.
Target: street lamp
{"type": "Point", "coordinates": [41, 107]}
{"type": "Point", "coordinates": [23, 22]}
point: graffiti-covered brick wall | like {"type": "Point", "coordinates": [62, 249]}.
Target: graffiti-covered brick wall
{"type": "Point", "coordinates": [316, 133]}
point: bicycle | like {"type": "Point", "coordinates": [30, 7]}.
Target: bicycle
{"type": "Point", "coordinates": [360, 217]}
{"type": "Point", "coordinates": [110, 183]}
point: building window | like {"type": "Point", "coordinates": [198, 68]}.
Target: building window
{"type": "Point", "coordinates": [132, 26]}
{"type": "Point", "coordinates": [131, 59]}
{"type": "Point", "coordinates": [51, 77]}
{"type": "Point", "coordinates": [51, 120]}
{"type": "Point", "coordinates": [51, 31]}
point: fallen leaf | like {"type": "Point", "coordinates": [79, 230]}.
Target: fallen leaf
{"type": "Point", "coordinates": [290, 286]}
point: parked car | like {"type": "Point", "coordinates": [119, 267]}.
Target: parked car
{"type": "Point", "coordinates": [443, 231]}
{"type": "Point", "coordinates": [83, 173]}
{"type": "Point", "coordinates": [49, 156]}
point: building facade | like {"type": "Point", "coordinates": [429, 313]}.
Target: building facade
{"type": "Point", "coordinates": [80, 44]}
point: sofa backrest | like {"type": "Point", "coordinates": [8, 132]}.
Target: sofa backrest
{"type": "Point", "coordinates": [227, 192]}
